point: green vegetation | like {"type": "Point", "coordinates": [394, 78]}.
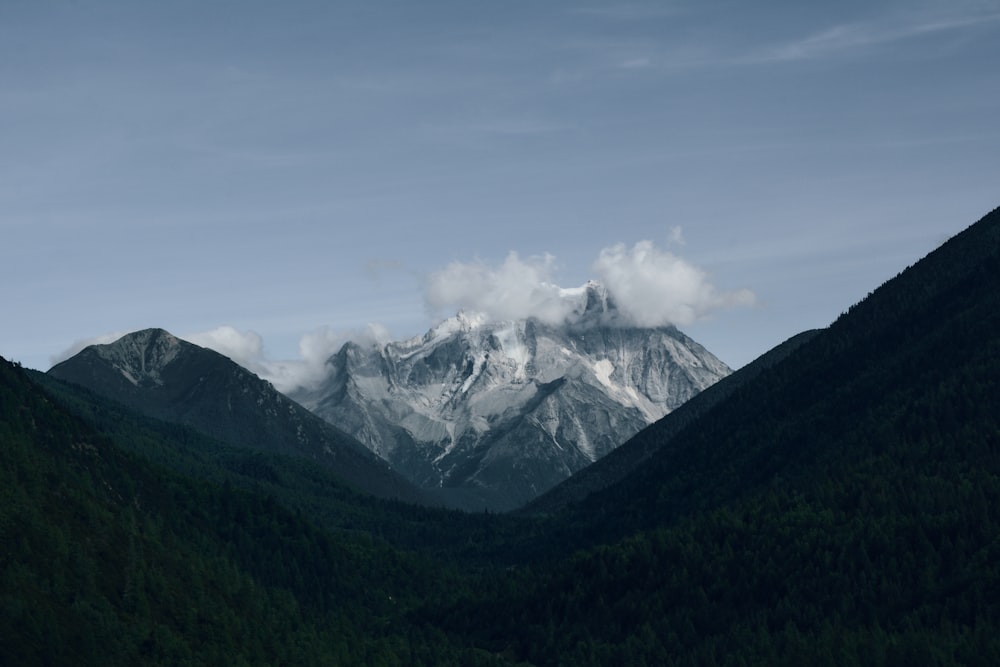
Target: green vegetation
{"type": "Point", "coordinates": [111, 560]}
{"type": "Point", "coordinates": [840, 507]}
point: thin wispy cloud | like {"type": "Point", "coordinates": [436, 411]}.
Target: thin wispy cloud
{"type": "Point", "coordinates": [833, 41]}
{"type": "Point", "coordinates": [851, 37]}
{"type": "Point", "coordinates": [353, 128]}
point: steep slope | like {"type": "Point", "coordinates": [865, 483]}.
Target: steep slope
{"type": "Point", "coordinates": [495, 413]}
{"type": "Point", "coordinates": [296, 483]}
{"type": "Point", "coordinates": [856, 382]}
{"type": "Point", "coordinates": [107, 559]}
{"type": "Point", "coordinates": [628, 458]}
{"type": "Point", "coordinates": [842, 507]}
{"type": "Point", "coordinates": [162, 376]}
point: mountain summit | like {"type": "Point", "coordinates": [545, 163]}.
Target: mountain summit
{"type": "Point", "coordinates": [141, 357]}
{"type": "Point", "coordinates": [494, 413]}
{"type": "Point", "coordinates": [162, 376]}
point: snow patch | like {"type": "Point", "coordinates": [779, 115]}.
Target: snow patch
{"type": "Point", "coordinates": [583, 443]}
{"type": "Point", "coordinates": [514, 348]}
{"type": "Point", "coordinates": [129, 377]}
{"type": "Point", "coordinates": [603, 370]}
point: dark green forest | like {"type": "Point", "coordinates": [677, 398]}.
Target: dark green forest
{"type": "Point", "coordinates": [839, 505]}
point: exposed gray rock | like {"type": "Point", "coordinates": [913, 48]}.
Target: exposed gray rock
{"type": "Point", "coordinates": [496, 413]}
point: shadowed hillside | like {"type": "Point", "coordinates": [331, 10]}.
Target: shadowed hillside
{"type": "Point", "coordinates": [838, 504]}
{"type": "Point", "coordinates": [839, 508]}
{"type": "Point", "coordinates": [161, 376]}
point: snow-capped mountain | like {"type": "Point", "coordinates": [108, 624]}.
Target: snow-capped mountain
{"type": "Point", "coordinates": [495, 413]}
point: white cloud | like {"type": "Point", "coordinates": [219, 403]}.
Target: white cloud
{"type": "Point", "coordinates": [517, 289]}
{"type": "Point", "coordinates": [651, 287]}
{"type": "Point", "coordinates": [654, 287]}
{"type": "Point", "coordinates": [315, 348]}
{"type": "Point", "coordinates": [244, 347]}
{"type": "Point", "coordinates": [247, 349]}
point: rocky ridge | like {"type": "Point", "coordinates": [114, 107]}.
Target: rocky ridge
{"type": "Point", "coordinates": [494, 413]}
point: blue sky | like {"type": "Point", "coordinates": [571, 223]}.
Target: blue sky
{"type": "Point", "coordinates": [280, 175]}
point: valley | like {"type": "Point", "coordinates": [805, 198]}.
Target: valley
{"type": "Point", "coordinates": [833, 502]}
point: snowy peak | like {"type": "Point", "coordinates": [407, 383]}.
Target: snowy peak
{"type": "Point", "coordinates": [596, 304]}
{"type": "Point", "coordinates": [588, 305]}
{"type": "Point", "coordinates": [501, 411]}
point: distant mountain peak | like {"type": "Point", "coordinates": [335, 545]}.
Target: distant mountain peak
{"type": "Point", "coordinates": [141, 356]}
{"type": "Point", "coordinates": [162, 376]}
{"type": "Point", "coordinates": [497, 411]}
{"type": "Point", "coordinates": [464, 321]}
{"type": "Point", "coordinates": [582, 307]}
{"type": "Point", "coordinates": [598, 308]}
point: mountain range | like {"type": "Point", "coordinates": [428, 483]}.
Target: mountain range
{"type": "Point", "coordinates": [833, 503]}
{"type": "Point", "coordinates": [162, 376]}
{"type": "Point", "coordinates": [491, 414]}
{"type": "Point", "coordinates": [475, 414]}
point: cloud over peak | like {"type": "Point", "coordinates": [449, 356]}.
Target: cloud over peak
{"type": "Point", "coordinates": [651, 287]}
{"type": "Point", "coordinates": [648, 287]}
{"type": "Point", "coordinates": [246, 348]}
{"type": "Point", "coordinates": [654, 287]}
{"type": "Point", "coordinates": [516, 289]}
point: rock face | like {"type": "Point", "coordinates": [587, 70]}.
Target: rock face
{"type": "Point", "coordinates": [637, 452]}
{"type": "Point", "coordinates": [161, 376]}
{"type": "Point", "coordinates": [493, 414]}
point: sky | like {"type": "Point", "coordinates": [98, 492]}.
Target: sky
{"type": "Point", "coordinates": [272, 179]}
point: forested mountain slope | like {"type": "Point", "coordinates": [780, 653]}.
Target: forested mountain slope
{"type": "Point", "coordinates": [109, 560]}
{"type": "Point", "coordinates": [841, 508]}
{"type": "Point", "coordinates": [913, 361]}
{"type": "Point", "coordinates": [164, 377]}
{"type": "Point", "coordinates": [297, 483]}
